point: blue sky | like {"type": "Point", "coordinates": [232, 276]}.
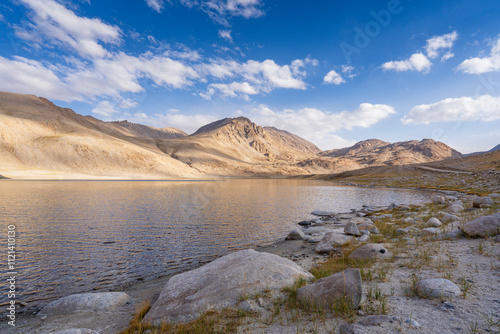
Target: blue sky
{"type": "Point", "coordinates": [333, 72]}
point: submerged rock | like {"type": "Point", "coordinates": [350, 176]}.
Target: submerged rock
{"type": "Point", "coordinates": [221, 283]}
{"type": "Point", "coordinates": [340, 287]}
{"type": "Point", "coordinates": [323, 213]}
{"type": "Point", "coordinates": [85, 302]}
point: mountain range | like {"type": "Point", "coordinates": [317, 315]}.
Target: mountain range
{"type": "Point", "coordinates": [41, 140]}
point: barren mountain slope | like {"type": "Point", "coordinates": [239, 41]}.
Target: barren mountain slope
{"type": "Point", "coordinates": [236, 146]}
{"type": "Point", "coordinates": [41, 139]}
{"type": "Point", "coordinates": [374, 152]}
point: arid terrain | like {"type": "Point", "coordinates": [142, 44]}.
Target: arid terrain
{"type": "Point", "coordinates": [39, 140]}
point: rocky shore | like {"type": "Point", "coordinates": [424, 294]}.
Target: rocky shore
{"type": "Point", "coordinates": [401, 268]}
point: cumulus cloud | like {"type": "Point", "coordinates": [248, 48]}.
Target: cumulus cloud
{"type": "Point", "coordinates": [437, 43]}
{"type": "Point", "coordinates": [55, 23]}
{"type": "Point", "coordinates": [27, 76]}
{"type": "Point", "coordinates": [487, 64]}
{"type": "Point", "coordinates": [187, 123]}
{"type": "Point", "coordinates": [485, 108]}
{"type": "Point", "coordinates": [420, 62]}
{"type": "Point", "coordinates": [417, 62]}
{"type": "Point", "coordinates": [256, 77]}
{"type": "Point", "coordinates": [226, 34]}
{"type": "Point", "coordinates": [105, 109]}
{"type": "Point", "coordinates": [319, 126]}
{"type": "Point", "coordinates": [156, 5]}
{"type": "Point", "coordinates": [333, 77]}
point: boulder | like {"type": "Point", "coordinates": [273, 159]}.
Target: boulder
{"type": "Point", "coordinates": [351, 229]}
{"type": "Point", "coordinates": [433, 222]}
{"type": "Point", "coordinates": [85, 302]}
{"type": "Point", "coordinates": [331, 241]}
{"type": "Point", "coordinates": [431, 230]}
{"type": "Point", "coordinates": [365, 226]}
{"type": "Point", "coordinates": [437, 288]}
{"type": "Point", "coordinates": [408, 220]}
{"type": "Point", "coordinates": [296, 234]}
{"type": "Point", "coordinates": [455, 207]}
{"type": "Point", "coordinates": [447, 218]}
{"type": "Point", "coordinates": [401, 231]}
{"type": "Point", "coordinates": [364, 238]}
{"type": "Point", "coordinates": [340, 287]}
{"type": "Point", "coordinates": [438, 199]}
{"type": "Point", "coordinates": [323, 213]}
{"type": "Point", "coordinates": [482, 227]}
{"type": "Point", "coordinates": [374, 230]}
{"type": "Point", "coordinates": [221, 283]}
{"type": "Point", "coordinates": [369, 251]}
{"type": "Point", "coordinates": [476, 202]}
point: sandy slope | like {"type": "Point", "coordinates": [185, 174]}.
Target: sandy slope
{"type": "Point", "coordinates": [38, 138]}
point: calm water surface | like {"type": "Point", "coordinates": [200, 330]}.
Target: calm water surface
{"type": "Point", "coordinates": [78, 236]}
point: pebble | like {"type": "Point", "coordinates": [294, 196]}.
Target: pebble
{"type": "Point", "coordinates": [412, 322]}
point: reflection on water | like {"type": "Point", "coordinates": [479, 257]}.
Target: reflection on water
{"type": "Point", "coordinates": [76, 236]}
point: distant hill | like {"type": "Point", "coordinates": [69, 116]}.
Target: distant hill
{"type": "Point", "coordinates": [374, 152]}
{"type": "Point", "coordinates": [496, 148]}
{"type": "Point", "coordinates": [41, 140]}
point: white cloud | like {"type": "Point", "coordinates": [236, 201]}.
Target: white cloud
{"type": "Point", "coordinates": [54, 22]}
{"type": "Point", "coordinates": [485, 108]}
{"type": "Point", "coordinates": [417, 62]}
{"type": "Point", "coordinates": [333, 77]}
{"type": "Point", "coordinates": [226, 34]}
{"type": "Point", "coordinates": [319, 126]}
{"type": "Point", "coordinates": [128, 104]}
{"type": "Point", "coordinates": [26, 76]}
{"type": "Point", "coordinates": [421, 63]}
{"type": "Point", "coordinates": [256, 77]}
{"type": "Point", "coordinates": [436, 43]}
{"type": "Point", "coordinates": [483, 65]}
{"type": "Point", "coordinates": [156, 5]}
{"type": "Point", "coordinates": [187, 123]}
{"type": "Point", "coordinates": [105, 109]}
{"type": "Point", "coordinates": [243, 89]}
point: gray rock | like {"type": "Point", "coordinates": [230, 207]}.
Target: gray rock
{"type": "Point", "coordinates": [433, 222]}
{"type": "Point", "coordinates": [391, 206]}
{"type": "Point", "coordinates": [296, 234]}
{"type": "Point", "coordinates": [495, 195]}
{"type": "Point", "coordinates": [331, 241]}
{"type": "Point", "coordinates": [455, 234]}
{"type": "Point", "coordinates": [476, 202]}
{"type": "Point", "coordinates": [374, 230]}
{"type": "Point", "coordinates": [75, 331]}
{"type": "Point", "coordinates": [438, 288]}
{"type": "Point", "coordinates": [340, 287]}
{"type": "Point", "coordinates": [365, 232]}
{"type": "Point", "coordinates": [401, 231]}
{"type": "Point", "coordinates": [316, 230]}
{"type": "Point", "coordinates": [447, 218]}
{"type": "Point", "coordinates": [412, 323]}
{"type": "Point", "coordinates": [482, 227]}
{"type": "Point", "coordinates": [431, 230]}
{"type": "Point", "coordinates": [305, 223]}
{"type": "Point", "coordinates": [408, 221]}
{"type": "Point", "coordinates": [455, 207]}
{"type": "Point", "coordinates": [220, 283]}
{"type": "Point", "coordinates": [323, 213]}
{"type": "Point", "coordinates": [373, 320]}
{"type": "Point", "coordinates": [351, 229]}
{"type": "Point", "coordinates": [351, 329]}
{"type": "Point", "coordinates": [369, 251]}
{"type": "Point", "coordinates": [438, 199]}
{"type": "Point", "coordinates": [313, 240]}
{"type": "Point", "coordinates": [364, 238]}
{"type": "Point", "coordinates": [85, 302]}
